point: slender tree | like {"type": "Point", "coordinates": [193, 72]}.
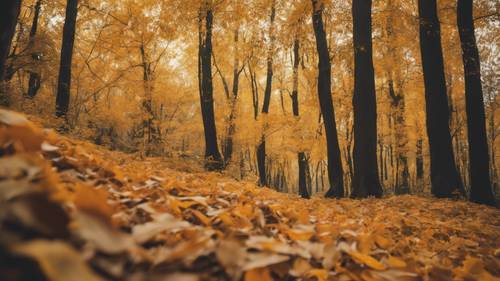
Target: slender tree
{"type": "Point", "coordinates": [444, 176]}
{"type": "Point", "coordinates": [365, 182]}
{"type": "Point", "coordinates": [335, 171]}
{"type": "Point", "coordinates": [9, 13]}
{"type": "Point", "coordinates": [402, 173]}
{"type": "Point", "coordinates": [228, 143]}
{"type": "Point", "coordinates": [480, 190]}
{"type": "Point", "coordinates": [261, 148]}
{"type": "Point", "coordinates": [301, 156]}
{"type": "Point", "coordinates": [212, 155]}
{"type": "Point", "coordinates": [68, 41]}
{"type": "Point", "coordinates": [34, 81]}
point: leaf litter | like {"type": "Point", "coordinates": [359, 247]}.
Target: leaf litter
{"type": "Point", "coordinates": [71, 210]}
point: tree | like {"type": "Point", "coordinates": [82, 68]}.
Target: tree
{"type": "Point", "coordinates": [68, 41]}
{"type": "Point", "coordinates": [445, 180]}
{"type": "Point", "coordinates": [301, 155]}
{"type": "Point", "coordinates": [34, 80]}
{"type": "Point", "coordinates": [212, 155]}
{"type": "Point", "coordinates": [261, 148]}
{"type": "Point", "coordinates": [233, 99]}
{"type": "Point", "coordinates": [480, 190]}
{"type": "Point", "coordinates": [9, 12]}
{"type": "Point", "coordinates": [335, 170]}
{"type": "Point", "coordinates": [365, 182]}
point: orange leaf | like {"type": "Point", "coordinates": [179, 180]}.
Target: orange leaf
{"type": "Point", "coordinates": [258, 274]}
{"type": "Point", "coordinates": [367, 260]}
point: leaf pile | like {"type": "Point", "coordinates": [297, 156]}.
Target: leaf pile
{"type": "Point", "coordinates": [73, 211]}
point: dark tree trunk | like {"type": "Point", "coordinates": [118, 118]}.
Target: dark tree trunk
{"type": "Point", "coordinates": [444, 176]}
{"type": "Point", "coordinates": [68, 41]}
{"type": "Point", "coordinates": [261, 149]}
{"type": "Point", "coordinates": [480, 191]}
{"type": "Point", "coordinates": [301, 156]}
{"type": "Point", "coordinates": [212, 155]}
{"type": "Point", "coordinates": [386, 173]}
{"type": "Point", "coordinates": [34, 82]}
{"type": "Point", "coordinates": [9, 13]}
{"type": "Point", "coordinates": [365, 182]}
{"type": "Point", "coordinates": [335, 171]}
{"type": "Point", "coordinates": [419, 161]}
{"type": "Point", "coordinates": [255, 92]}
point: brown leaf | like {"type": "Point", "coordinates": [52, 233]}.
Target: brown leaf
{"type": "Point", "coordinates": [58, 260]}
{"type": "Point", "coordinates": [100, 233]}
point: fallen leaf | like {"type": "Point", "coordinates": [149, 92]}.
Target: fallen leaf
{"type": "Point", "coordinates": [58, 261]}
{"type": "Point", "coordinates": [258, 274]}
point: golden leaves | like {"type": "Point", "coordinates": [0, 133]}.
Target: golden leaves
{"type": "Point", "coordinates": [17, 131]}
{"type": "Point", "coordinates": [127, 213]}
{"type": "Point", "coordinates": [473, 269]}
{"type": "Point", "coordinates": [367, 260]}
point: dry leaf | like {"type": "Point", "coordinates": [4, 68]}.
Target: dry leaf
{"type": "Point", "coordinates": [58, 261]}
{"type": "Point", "coordinates": [258, 274]}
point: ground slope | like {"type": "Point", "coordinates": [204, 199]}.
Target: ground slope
{"type": "Point", "coordinates": [70, 210]}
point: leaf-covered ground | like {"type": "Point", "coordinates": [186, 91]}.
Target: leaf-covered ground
{"type": "Point", "coordinates": [70, 210]}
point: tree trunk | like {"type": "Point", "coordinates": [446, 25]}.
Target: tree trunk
{"type": "Point", "coordinates": [480, 191]}
{"type": "Point", "coordinates": [34, 82]}
{"type": "Point", "coordinates": [261, 149]}
{"type": "Point", "coordinates": [402, 185]}
{"type": "Point", "coordinates": [9, 13]}
{"type": "Point", "coordinates": [228, 144]}
{"type": "Point", "coordinates": [213, 159]}
{"type": "Point", "coordinates": [381, 160]}
{"type": "Point", "coordinates": [445, 180]}
{"type": "Point", "coordinates": [335, 171]}
{"type": "Point", "coordinates": [365, 182]}
{"type": "Point", "coordinates": [68, 41]}
{"type": "Point", "coordinates": [151, 137]}
{"type": "Point", "coordinates": [301, 156]}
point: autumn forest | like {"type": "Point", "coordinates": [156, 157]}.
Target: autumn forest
{"type": "Point", "coordinates": [249, 140]}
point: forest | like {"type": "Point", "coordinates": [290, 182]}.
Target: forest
{"type": "Point", "coordinates": [249, 140]}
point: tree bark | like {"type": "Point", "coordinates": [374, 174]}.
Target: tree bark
{"type": "Point", "coordinates": [9, 13]}
{"type": "Point", "coordinates": [365, 182]}
{"type": "Point", "coordinates": [213, 159]}
{"type": "Point", "coordinates": [34, 80]}
{"type": "Point", "coordinates": [445, 181]}
{"type": "Point", "coordinates": [480, 185]}
{"type": "Point", "coordinates": [261, 149]}
{"type": "Point", "coordinates": [303, 163]}
{"type": "Point", "coordinates": [68, 41]}
{"type": "Point", "coordinates": [335, 170]}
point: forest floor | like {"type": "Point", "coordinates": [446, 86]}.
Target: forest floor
{"type": "Point", "coordinates": [70, 210]}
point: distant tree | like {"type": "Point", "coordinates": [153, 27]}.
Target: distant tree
{"type": "Point", "coordinates": [213, 157]}
{"type": "Point", "coordinates": [335, 170]}
{"type": "Point", "coordinates": [9, 13]}
{"type": "Point", "coordinates": [34, 80]}
{"type": "Point", "coordinates": [68, 41]}
{"type": "Point", "coordinates": [237, 70]}
{"type": "Point", "coordinates": [445, 179]}
{"type": "Point", "coordinates": [301, 155]}
{"type": "Point", "coordinates": [480, 190]}
{"type": "Point", "coordinates": [261, 148]}
{"type": "Point", "coordinates": [365, 182]}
